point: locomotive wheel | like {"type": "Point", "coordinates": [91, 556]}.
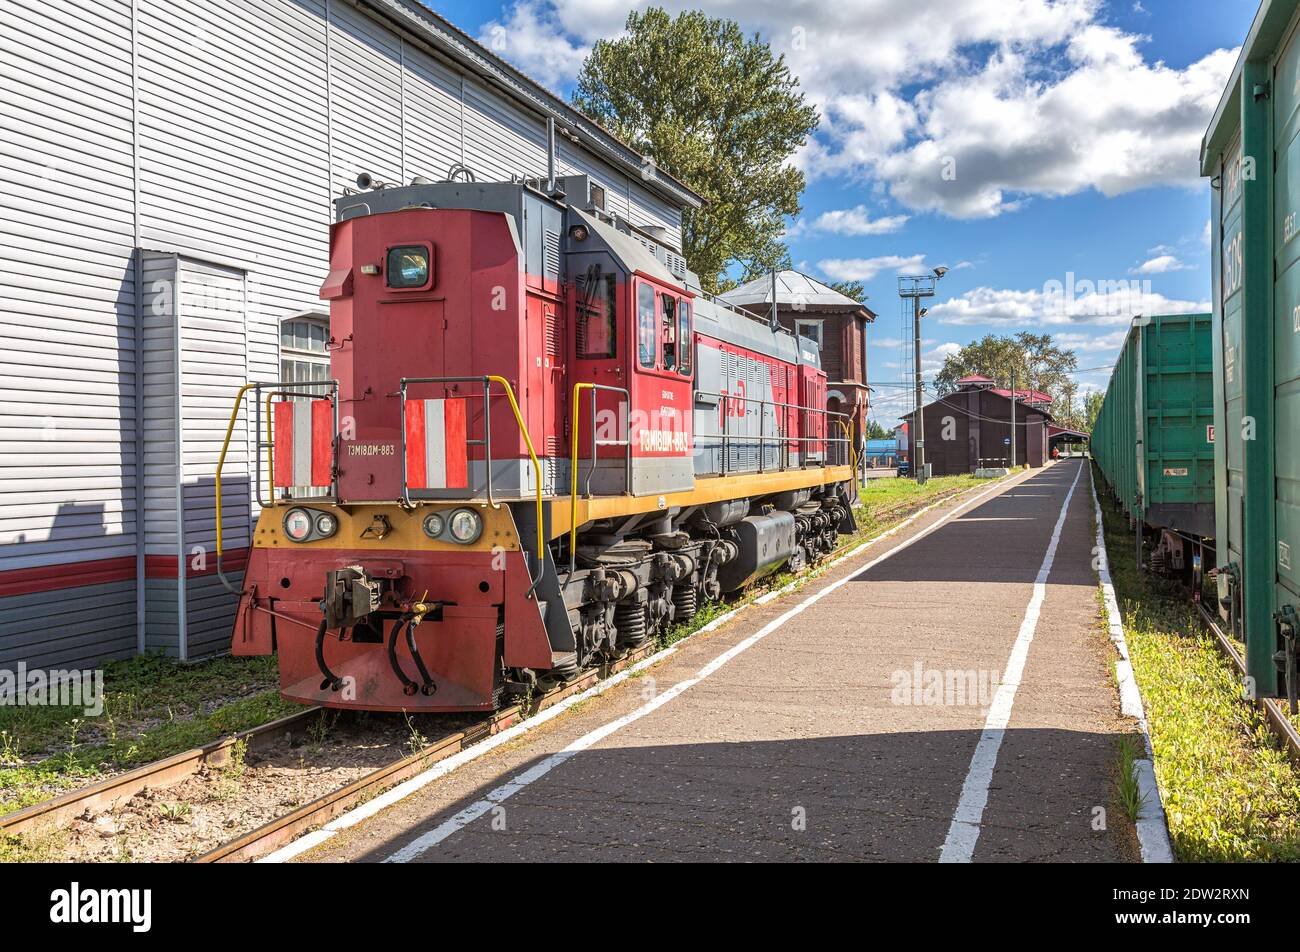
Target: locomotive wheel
{"type": "Point", "coordinates": [629, 619]}
{"type": "Point", "coordinates": [684, 602]}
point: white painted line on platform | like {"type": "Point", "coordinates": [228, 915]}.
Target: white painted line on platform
{"type": "Point", "coordinates": [959, 846]}
{"type": "Point", "coordinates": [423, 843]}
{"type": "Point", "coordinates": [1152, 824]}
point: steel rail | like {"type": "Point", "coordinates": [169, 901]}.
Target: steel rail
{"type": "Point", "coordinates": [278, 832]}
{"type": "Point", "coordinates": [1274, 710]}
{"type": "Point", "coordinates": [159, 774]}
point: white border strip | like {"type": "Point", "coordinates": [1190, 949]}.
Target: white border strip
{"type": "Point", "coordinates": [422, 844]}
{"type": "Point", "coordinates": [444, 767]}
{"type": "Point", "coordinates": [1152, 824]}
{"type": "Point", "coordinates": [964, 831]}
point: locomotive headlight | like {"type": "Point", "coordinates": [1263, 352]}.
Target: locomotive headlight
{"type": "Point", "coordinates": [325, 524]}
{"type": "Point", "coordinates": [465, 525]}
{"type": "Point", "coordinates": [297, 524]}
{"type": "Point", "coordinates": [433, 525]}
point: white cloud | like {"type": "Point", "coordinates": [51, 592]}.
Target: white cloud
{"type": "Point", "coordinates": [533, 38]}
{"type": "Point", "coordinates": [1016, 98]}
{"type": "Point", "coordinates": [864, 269]}
{"type": "Point", "coordinates": [1061, 304]}
{"type": "Point", "coordinates": [849, 222]}
{"type": "Point", "coordinates": [1161, 264]}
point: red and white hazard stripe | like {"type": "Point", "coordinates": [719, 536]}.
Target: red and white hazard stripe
{"type": "Point", "coordinates": [436, 453]}
{"type": "Point", "coordinates": [303, 435]}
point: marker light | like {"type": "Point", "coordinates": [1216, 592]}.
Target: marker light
{"type": "Point", "coordinates": [297, 525]}
{"type": "Point", "coordinates": [325, 524]}
{"type": "Point", "coordinates": [465, 525]}
{"type": "Point", "coordinates": [433, 525]}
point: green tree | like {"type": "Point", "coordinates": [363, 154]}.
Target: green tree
{"type": "Point", "coordinates": [1033, 360]}
{"type": "Point", "coordinates": [716, 110]}
{"type": "Point", "coordinates": [1092, 401]}
{"type": "Point", "coordinates": [853, 290]}
{"type": "Point", "coordinates": [874, 431]}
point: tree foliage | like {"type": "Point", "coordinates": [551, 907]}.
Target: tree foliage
{"type": "Point", "coordinates": [1092, 402]}
{"type": "Point", "coordinates": [1032, 360]}
{"type": "Point", "coordinates": [854, 290]}
{"type": "Point", "coordinates": [716, 110]}
{"type": "Point", "coordinates": [875, 431]}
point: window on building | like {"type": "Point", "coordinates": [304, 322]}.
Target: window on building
{"type": "Point", "coordinates": [669, 312]}
{"type": "Point", "coordinates": [685, 337]}
{"type": "Point", "coordinates": [645, 323]}
{"type": "Point", "coordinates": [303, 356]}
{"type": "Point", "coordinates": [598, 314]}
{"type": "Point", "coordinates": [812, 330]}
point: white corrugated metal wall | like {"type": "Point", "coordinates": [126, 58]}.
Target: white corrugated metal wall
{"type": "Point", "coordinates": [213, 135]}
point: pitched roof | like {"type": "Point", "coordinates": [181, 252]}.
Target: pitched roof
{"type": "Point", "coordinates": [794, 290]}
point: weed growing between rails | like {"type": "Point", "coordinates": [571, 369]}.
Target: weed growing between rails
{"type": "Point", "coordinates": [1229, 790]}
{"type": "Point", "coordinates": [153, 707]}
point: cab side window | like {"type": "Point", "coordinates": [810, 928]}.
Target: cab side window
{"type": "Point", "coordinates": [669, 304]}
{"type": "Point", "coordinates": [685, 338]}
{"type": "Point", "coordinates": [597, 314]}
{"type": "Point", "coordinates": [645, 324]}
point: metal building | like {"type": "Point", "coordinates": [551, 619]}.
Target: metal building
{"type": "Point", "coordinates": [163, 237]}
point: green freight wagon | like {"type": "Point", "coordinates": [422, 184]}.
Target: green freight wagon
{"type": "Point", "coordinates": [1154, 438]}
{"type": "Point", "coordinates": [1251, 155]}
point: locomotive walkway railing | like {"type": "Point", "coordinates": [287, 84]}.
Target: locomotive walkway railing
{"type": "Point", "coordinates": [762, 438]}
{"type": "Point", "coordinates": [487, 381]}
{"type": "Point", "coordinates": [284, 388]}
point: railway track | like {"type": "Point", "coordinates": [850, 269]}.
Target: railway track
{"type": "Point", "coordinates": [1275, 711]}
{"type": "Point", "coordinates": [171, 771]}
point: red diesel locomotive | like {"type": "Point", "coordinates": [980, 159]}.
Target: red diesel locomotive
{"type": "Point", "coordinates": [541, 444]}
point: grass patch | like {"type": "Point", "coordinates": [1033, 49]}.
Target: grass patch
{"type": "Point", "coordinates": [1129, 750]}
{"type": "Point", "coordinates": [153, 707]}
{"type": "Point", "coordinates": [1229, 790]}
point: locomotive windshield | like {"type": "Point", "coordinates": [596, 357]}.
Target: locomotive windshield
{"type": "Point", "coordinates": [645, 322]}
{"type": "Point", "coordinates": [408, 266]}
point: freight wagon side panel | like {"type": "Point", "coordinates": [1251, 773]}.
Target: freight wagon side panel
{"type": "Point", "coordinates": [1286, 323]}
{"type": "Point", "coordinates": [1231, 535]}
{"type": "Point", "coordinates": [1177, 381]}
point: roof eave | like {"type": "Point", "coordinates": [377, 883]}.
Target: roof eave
{"type": "Point", "coordinates": [457, 45]}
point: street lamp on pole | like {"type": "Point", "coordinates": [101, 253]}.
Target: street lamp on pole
{"type": "Point", "coordinates": [917, 287]}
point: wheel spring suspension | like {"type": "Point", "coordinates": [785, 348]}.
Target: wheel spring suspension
{"type": "Point", "coordinates": [684, 604]}
{"type": "Point", "coordinates": [629, 619]}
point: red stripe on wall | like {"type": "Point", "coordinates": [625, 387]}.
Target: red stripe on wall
{"type": "Point", "coordinates": [164, 566]}
{"type": "Point", "coordinates": [53, 578]}
{"type": "Point", "coordinates": [50, 578]}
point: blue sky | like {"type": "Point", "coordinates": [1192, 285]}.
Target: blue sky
{"type": "Point", "coordinates": [1015, 141]}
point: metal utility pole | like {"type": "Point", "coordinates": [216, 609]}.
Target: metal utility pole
{"type": "Point", "coordinates": [917, 287]}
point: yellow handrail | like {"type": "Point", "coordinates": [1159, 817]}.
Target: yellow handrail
{"type": "Point", "coordinates": [537, 468]}
{"type": "Point", "coordinates": [221, 461]}
{"type": "Point", "coordinates": [573, 466]}
{"type": "Point", "coordinates": [853, 452]}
